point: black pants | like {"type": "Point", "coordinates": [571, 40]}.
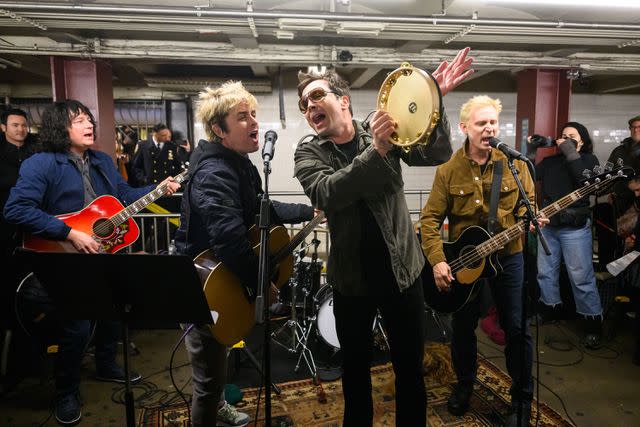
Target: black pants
{"type": "Point", "coordinates": [507, 294]}
{"type": "Point", "coordinates": [403, 315]}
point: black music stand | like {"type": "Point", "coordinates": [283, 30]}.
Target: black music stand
{"type": "Point", "coordinates": [122, 287]}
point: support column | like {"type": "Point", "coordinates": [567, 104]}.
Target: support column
{"type": "Point", "coordinates": [90, 82]}
{"type": "Point", "coordinates": [542, 106]}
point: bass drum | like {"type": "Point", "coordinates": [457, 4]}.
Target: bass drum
{"type": "Point", "coordinates": [326, 321]}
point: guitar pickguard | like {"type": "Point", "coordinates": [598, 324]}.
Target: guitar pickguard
{"type": "Point", "coordinates": [116, 239]}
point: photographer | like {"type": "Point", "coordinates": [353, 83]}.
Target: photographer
{"type": "Point", "coordinates": [569, 232]}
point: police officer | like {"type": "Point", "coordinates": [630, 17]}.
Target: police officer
{"type": "Point", "coordinates": [158, 157]}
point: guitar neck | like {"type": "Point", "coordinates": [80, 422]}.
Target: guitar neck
{"type": "Point", "coordinates": [145, 201]}
{"type": "Point", "coordinates": [297, 239]}
{"type": "Point", "coordinates": [501, 239]}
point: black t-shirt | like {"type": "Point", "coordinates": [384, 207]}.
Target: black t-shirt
{"type": "Point", "coordinates": [374, 254]}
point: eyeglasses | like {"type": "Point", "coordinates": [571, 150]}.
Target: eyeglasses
{"type": "Point", "coordinates": [634, 127]}
{"type": "Point", "coordinates": [315, 95]}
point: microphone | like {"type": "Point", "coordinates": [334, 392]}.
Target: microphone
{"type": "Point", "coordinates": [268, 148]}
{"type": "Point", "coordinates": [508, 151]}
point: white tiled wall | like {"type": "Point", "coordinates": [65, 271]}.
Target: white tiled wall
{"type": "Point", "coordinates": [604, 115]}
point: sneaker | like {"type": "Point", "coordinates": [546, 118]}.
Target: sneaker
{"type": "Point", "coordinates": [228, 416]}
{"type": "Point", "coordinates": [115, 374]}
{"type": "Point", "coordinates": [67, 409]}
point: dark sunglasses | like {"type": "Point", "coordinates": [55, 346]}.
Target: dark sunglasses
{"type": "Point", "coordinates": [315, 95]}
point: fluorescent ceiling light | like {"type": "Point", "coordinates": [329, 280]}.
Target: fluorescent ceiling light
{"type": "Point", "coordinates": [582, 3]}
{"type": "Point", "coordinates": [301, 24]}
{"type": "Point", "coordinates": [371, 28]}
{"type": "Point", "coordinates": [284, 35]}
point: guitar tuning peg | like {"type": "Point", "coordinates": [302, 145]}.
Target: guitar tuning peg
{"type": "Point", "coordinates": [620, 162]}
{"type": "Point", "coordinates": [608, 166]}
{"type": "Point", "coordinates": [587, 173]}
{"type": "Point", "coordinates": [597, 169]}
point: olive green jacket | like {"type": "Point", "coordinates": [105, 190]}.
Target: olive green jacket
{"type": "Point", "coordinates": [335, 186]}
{"type": "Point", "coordinates": [462, 193]}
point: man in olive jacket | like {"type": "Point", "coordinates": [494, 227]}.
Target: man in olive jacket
{"type": "Point", "coordinates": [351, 172]}
{"type": "Point", "coordinates": [461, 192]}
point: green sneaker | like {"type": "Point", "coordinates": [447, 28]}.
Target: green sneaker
{"type": "Point", "coordinates": [228, 416]}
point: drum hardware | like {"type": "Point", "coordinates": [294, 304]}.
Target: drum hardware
{"type": "Point", "coordinates": [300, 326]}
{"type": "Point", "coordinates": [412, 97]}
{"type": "Point", "coordinates": [438, 321]}
{"type": "Point", "coordinates": [326, 322]}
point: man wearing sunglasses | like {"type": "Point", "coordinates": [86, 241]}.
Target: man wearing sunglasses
{"type": "Point", "coordinates": [351, 172]}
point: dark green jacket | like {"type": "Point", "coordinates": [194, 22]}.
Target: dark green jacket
{"type": "Point", "coordinates": [335, 186]}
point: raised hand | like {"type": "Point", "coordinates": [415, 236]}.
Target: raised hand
{"type": "Point", "coordinates": [451, 74]}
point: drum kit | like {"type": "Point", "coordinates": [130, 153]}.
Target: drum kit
{"type": "Point", "coordinates": [311, 312]}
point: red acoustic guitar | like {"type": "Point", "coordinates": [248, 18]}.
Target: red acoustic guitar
{"type": "Point", "coordinates": [105, 219]}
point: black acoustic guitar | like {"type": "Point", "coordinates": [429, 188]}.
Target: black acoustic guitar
{"type": "Point", "coordinates": [472, 256]}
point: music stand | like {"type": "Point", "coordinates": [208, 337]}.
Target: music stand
{"type": "Point", "coordinates": [122, 287]}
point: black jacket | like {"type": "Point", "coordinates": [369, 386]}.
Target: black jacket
{"type": "Point", "coordinates": [219, 205]}
{"type": "Point", "coordinates": [152, 166]}
{"type": "Point", "coordinates": [629, 152]}
{"type": "Point", "coordinates": [11, 158]}
{"type": "Point", "coordinates": [559, 177]}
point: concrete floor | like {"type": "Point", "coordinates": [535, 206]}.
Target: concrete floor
{"type": "Point", "coordinates": [597, 388]}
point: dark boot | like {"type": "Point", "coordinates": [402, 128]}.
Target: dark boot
{"type": "Point", "coordinates": [458, 402]}
{"type": "Point", "coordinates": [593, 332]}
{"type": "Point", "coordinates": [545, 314]}
{"type": "Point", "coordinates": [512, 419]}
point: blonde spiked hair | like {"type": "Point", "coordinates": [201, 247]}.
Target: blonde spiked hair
{"type": "Point", "coordinates": [478, 101]}
{"type": "Point", "coordinates": [214, 104]}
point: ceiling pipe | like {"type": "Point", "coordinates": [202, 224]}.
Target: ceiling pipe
{"type": "Point", "coordinates": [15, 64]}
{"type": "Point", "coordinates": [433, 20]}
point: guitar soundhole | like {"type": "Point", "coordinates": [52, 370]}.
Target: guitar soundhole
{"type": "Point", "coordinates": [470, 258]}
{"type": "Point", "coordinates": [103, 228]}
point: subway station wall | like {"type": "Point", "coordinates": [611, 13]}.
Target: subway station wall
{"type": "Point", "coordinates": [604, 115]}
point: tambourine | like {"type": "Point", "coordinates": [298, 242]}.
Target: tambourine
{"type": "Point", "coordinates": [412, 97]}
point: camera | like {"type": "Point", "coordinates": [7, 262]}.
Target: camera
{"type": "Point", "coordinates": [539, 141]}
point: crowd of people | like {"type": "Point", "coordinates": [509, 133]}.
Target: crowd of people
{"type": "Point", "coordinates": [352, 172]}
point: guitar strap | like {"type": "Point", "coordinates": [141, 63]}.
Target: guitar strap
{"type": "Point", "coordinates": [492, 222]}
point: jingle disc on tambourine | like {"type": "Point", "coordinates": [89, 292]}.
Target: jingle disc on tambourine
{"type": "Point", "coordinates": [412, 97]}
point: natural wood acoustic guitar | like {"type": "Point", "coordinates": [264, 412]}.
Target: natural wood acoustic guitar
{"type": "Point", "coordinates": [227, 297]}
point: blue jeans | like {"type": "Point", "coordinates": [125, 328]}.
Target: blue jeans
{"type": "Point", "coordinates": [506, 289]}
{"type": "Point", "coordinates": [74, 337]}
{"type": "Point", "coordinates": [574, 246]}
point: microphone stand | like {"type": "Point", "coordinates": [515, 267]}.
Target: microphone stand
{"type": "Point", "coordinates": [529, 217]}
{"type": "Point", "coordinates": [262, 315]}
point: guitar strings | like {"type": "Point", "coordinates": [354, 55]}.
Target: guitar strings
{"type": "Point", "coordinates": [474, 255]}
{"type": "Point", "coordinates": [108, 225]}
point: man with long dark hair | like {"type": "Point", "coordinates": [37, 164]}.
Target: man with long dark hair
{"type": "Point", "coordinates": [65, 178]}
